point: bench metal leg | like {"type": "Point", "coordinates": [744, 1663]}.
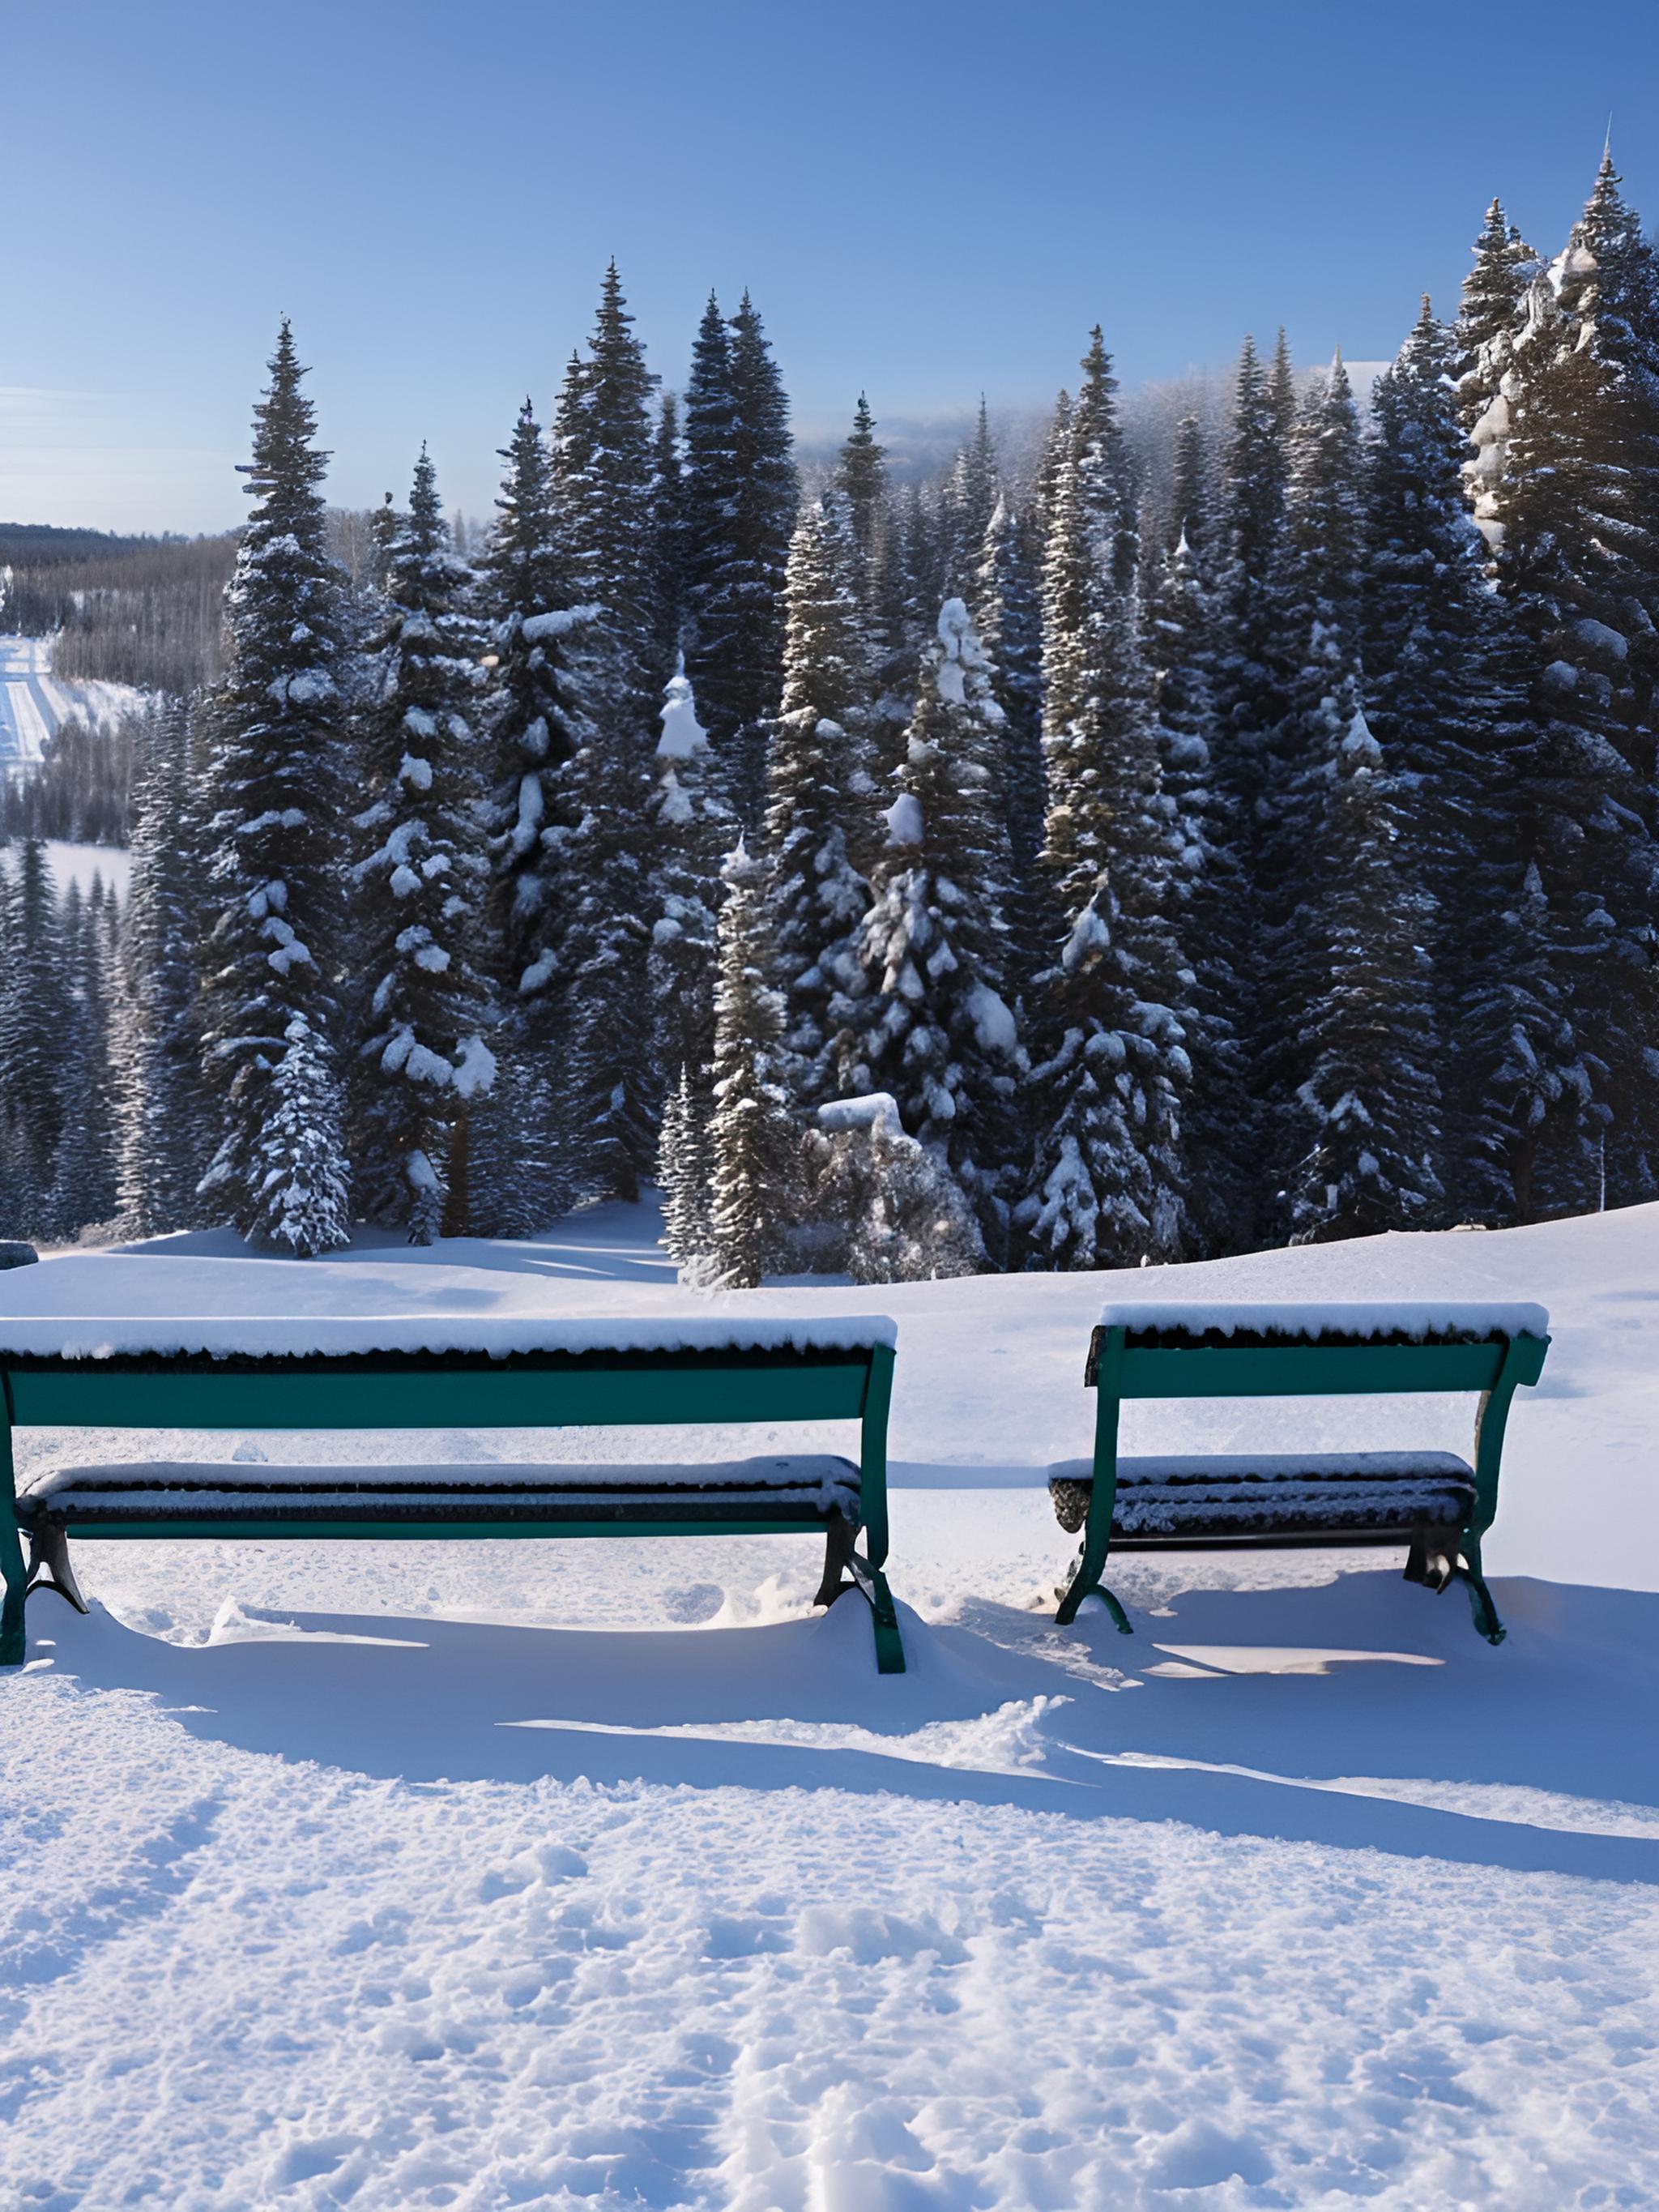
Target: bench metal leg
{"type": "Point", "coordinates": [845, 1570]}
{"type": "Point", "coordinates": [50, 1568]}
{"type": "Point", "coordinates": [12, 1640]}
{"type": "Point", "coordinates": [870, 1584]}
{"type": "Point", "coordinates": [1480, 1599]}
{"type": "Point", "coordinates": [1085, 1583]}
{"type": "Point", "coordinates": [837, 1560]}
{"type": "Point", "coordinates": [1440, 1557]}
{"type": "Point", "coordinates": [1102, 1493]}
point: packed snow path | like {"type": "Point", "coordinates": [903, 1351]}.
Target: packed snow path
{"type": "Point", "coordinates": [34, 702]}
{"type": "Point", "coordinates": [600, 1874]}
{"type": "Point", "coordinates": [31, 707]}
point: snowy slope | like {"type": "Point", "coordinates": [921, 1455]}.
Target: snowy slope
{"type": "Point", "coordinates": [529, 1874]}
{"type": "Point", "coordinates": [33, 702]}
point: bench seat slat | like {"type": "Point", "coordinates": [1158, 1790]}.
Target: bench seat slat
{"type": "Point", "coordinates": [1239, 1495]}
{"type": "Point", "coordinates": [81, 1496]}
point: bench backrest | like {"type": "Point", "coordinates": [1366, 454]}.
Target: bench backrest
{"type": "Point", "coordinates": [414, 1390]}
{"type": "Point", "coordinates": [1161, 1364]}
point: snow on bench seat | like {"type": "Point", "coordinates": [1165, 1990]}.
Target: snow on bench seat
{"type": "Point", "coordinates": [821, 1482]}
{"type": "Point", "coordinates": [1396, 1321]}
{"type": "Point", "coordinates": [82, 1336]}
{"type": "Point", "coordinates": [1240, 1495]}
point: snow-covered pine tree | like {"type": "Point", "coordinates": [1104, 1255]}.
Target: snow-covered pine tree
{"type": "Point", "coordinates": [1367, 1105]}
{"type": "Point", "coordinates": [158, 1072]}
{"type": "Point", "coordinates": [301, 1149]}
{"type": "Point", "coordinates": [1107, 1178]}
{"type": "Point", "coordinates": [83, 1189]}
{"type": "Point", "coordinates": [861, 478]}
{"type": "Point", "coordinates": [1314, 599]}
{"type": "Point", "coordinates": [603, 474]}
{"type": "Point", "coordinates": [1579, 565]}
{"type": "Point", "coordinates": [1006, 613]}
{"type": "Point", "coordinates": [1051, 466]}
{"type": "Point", "coordinates": [818, 789]}
{"type": "Point", "coordinates": [523, 1175]}
{"type": "Point", "coordinates": [1443, 700]}
{"type": "Point", "coordinates": [879, 1206]}
{"type": "Point", "coordinates": [1348, 928]}
{"type": "Point", "coordinates": [34, 1001]}
{"type": "Point", "coordinates": [1489, 321]}
{"type": "Point", "coordinates": [691, 826]}
{"type": "Point", "coordinates": [708, 492]}
{"type": "Point", "coordinates": [668, 525]}
{"type": "Point", "coordinates": [937, 1029]}
{"type": "Point", "coordinates": [1207, 897]}
{"type": "Point", "coordinates": [753, 1143]}
{"type": "Point", "coordinates": [422, 878]}
{"type": "Point", "coordinates": [273, 959]}
{"type": "Point", "coordinates": [1249, 700]}
{"type": "Point", "coordinates": [967, 503]}
{"type": "Point", "coordinates": [740, 496]}
{"type": "Point", "coordinates": [684, 1173]}
{"type": "Point", "coordinates": [1541, 1112]}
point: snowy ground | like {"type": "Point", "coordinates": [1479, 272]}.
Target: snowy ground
{"type": "Point", "coordinates": [529, 1874]}
{"type": "Point", "coordinates": [33, 702]}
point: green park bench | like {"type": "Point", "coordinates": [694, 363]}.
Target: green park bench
{"type": "Point", "coordinates": [1436, 1504]}
{"type": "Point", "coordinates": [588, 1375]}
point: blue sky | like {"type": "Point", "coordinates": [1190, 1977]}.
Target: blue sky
{"type": "Point", "coordinates": [928, 201]}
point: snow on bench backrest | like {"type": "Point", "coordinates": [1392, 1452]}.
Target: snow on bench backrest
{"type": "Point", "coordinates": [1416, 1322]}
{"type": "Point", "coordinates": [270, 1336]}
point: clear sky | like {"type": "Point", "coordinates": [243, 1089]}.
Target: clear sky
{"type": "Point", "coordinates": [925, 200]}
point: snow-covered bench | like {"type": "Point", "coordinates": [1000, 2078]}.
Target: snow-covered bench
{"type": "Point", "coordinates": [448, 1375]}
{"type": "Point", "coordinates": [1440, 1506]}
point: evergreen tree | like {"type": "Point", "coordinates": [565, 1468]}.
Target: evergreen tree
{"type": "Point", "coordinates": [1541, 1115]}
{"type": "Point", "coordinates": [752, 1141]}
{"type": "Point", "coordinates": [1444, 702]}
{"type": "Point", "coordinates": [1356, 1049]}
{"type": "Point", "coordinates": [1251, 510]}
{"type": "Point", "coordinates": [819, 788]}
{"type": "Point", "coordinates": [1106, 1178]}
{"type": "Point", "coordinates": [422, 882]}
{"type": "Point", "coordinates": [969, 501]}
{"type": "Point", "coordinates": [1579, 566]}
{"type": "Point", "coordinates": [34, 1000]}
{"type": "Point", "coordinates": [273, 958]}
{"type": "Point", "coordinates": [1006, 613]}
{"type": "Point", "coordinates": [709, 494]}
{"type": "Point", "coordinates": [1491, 318]}
{"type": "Point", "coordinates": [522, 1158]}
{"type": "Point", "coordinates": [861, 478]}
{"type": "Point", "coordinates": [603, 471]}
{"type": "Point", "coordinates": [1207, 896]}
{"type": "Point", "coordinates": [938, 1031]}
{"type": "Point", "coordinates": [740, 495]}
{"type": "Point", "coordinates": [684, 1173]}
{"type": "Point", "coordinates": [669, 530]}
{"type": "Point", "coordinates": [1314, 602]}
{"type": "Point", "coordinates": [690, 825]}
{"type": "Point", "coordinates": [1368, 1106]}
{"type": "Point", "coordinates": [83, 1189]}
{"type": "Point", "coordinates": [159, 1108]}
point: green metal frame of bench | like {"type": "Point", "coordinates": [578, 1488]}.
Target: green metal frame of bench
{"type": "Point", "coordinates": [1130, 1363]}
{"type": "Point", "coordinates": [420, 1390]}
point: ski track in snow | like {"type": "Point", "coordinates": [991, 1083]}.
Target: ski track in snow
{"type": "Point", "coordinates": [34, 702]}
{"type": "Point", "coordinates": [609, 1874]}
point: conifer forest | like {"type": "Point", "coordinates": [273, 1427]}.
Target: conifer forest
{"type": "Point", "coordinates": [1120, 851]}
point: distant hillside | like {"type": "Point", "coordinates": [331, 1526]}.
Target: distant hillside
{"type": "Point", "coordinates": [42, 544]}
{"type": "Point", "coordinates": [142, 611]}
